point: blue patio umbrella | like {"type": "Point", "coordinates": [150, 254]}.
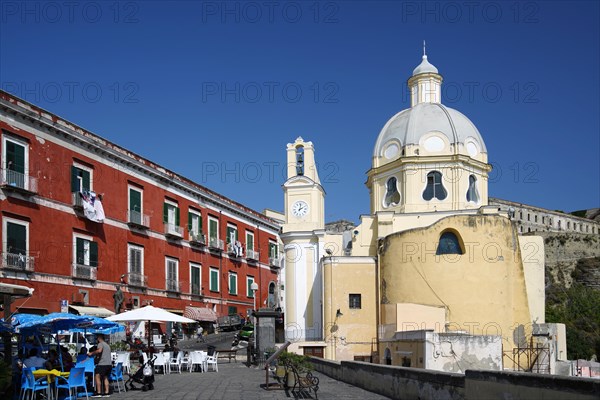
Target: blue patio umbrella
{"type": "Point", "coordinates": [53, 323]}
{"type": "Point", "coordinates": [6, 327]}
{"type": "Point", "coordinates": [98, 325]}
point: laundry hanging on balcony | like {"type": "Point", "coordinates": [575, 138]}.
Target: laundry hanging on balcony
{"type": "Point", "coordinates": [238, 250]}
{"type": "Point", "coordinates": [92, 206]}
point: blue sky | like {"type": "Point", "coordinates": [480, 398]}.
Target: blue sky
{"type": "Point", "coordinates": [215, 90]}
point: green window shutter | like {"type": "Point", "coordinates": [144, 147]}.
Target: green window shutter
{"type": "Point", "coordinates": [200, 222]}
{"type": "Point", "coordinates": [176, 216]}
{"type": "Point", "coordinates": [232, 284]}
{"type": "Point", "coordinates": [79, 253]}
{"type": "Point", "coordinates": [93, 254]}
{"type": "Point", "coordinates": [16, 241]}
{"type": "Point", "coordinates": [232, 310]}
{"type": "Point", "coordinates": [250, 242]}
{"type": "Point", "coordinates": [165, 213]}
{"type": "Point", "coordinates": [15, 157]}
{"type": "Point", "coordinates": [74, 180]}
{"type": "Point", "coordinates": [228, 236]}
{"type": "Point", "coordinates": [214, 280]}
{"type": "Point", "coordinates": [190, 225]}
{"type": "Point", "coordinates": [212, 228]}
{"type": "Point", "coordinates": [249, 288]}
{"type": "Point", "coordinates": [196, 278]}
{"type": "Point", "coordinates": [86, 179]}
{"type": "Point", "coordinates": [135, 200]}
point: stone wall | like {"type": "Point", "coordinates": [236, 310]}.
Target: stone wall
{"type": "Point", "coordinates": [412, 383]}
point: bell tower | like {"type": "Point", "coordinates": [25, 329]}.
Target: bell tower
{"type": "Point", "coordinates": [303, 238]}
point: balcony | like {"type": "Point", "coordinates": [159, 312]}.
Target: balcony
{"type": "Point", "coordinates": [215, 244]}
{"type": "Point", "coordinates": [76, 200]}
{"type": "Point", "coordinates": [235, 249]}
{"type": "Point", "coordinates": [137, 219]}
{"type": "Point", "coordinates": [18, 262]}
{"type": "Point", "coordinates": [197, 238]}
{"type": "Point", "coordinates": [81, 271]}
{"type": "Point", "coordinates": [137, 280]}
{"type": "Point", "coordinates": [252, 255]}
{"type": "Point", "coordinates": [18, 182]}
{"type": "Point", "coordinates": [274, 262]}
{"type": "Point", "coordinates": [172, 285]}
{"type": "Point", "coordinates": [173, 231]}
{"type": "Point", "coordinates": [196, 290]}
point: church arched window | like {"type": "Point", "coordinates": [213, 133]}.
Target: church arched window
{"type": "Point", "coordinates": [434, 188]}
{"type": "Point", "coordinates": [392, 195]}
{"type": "Point", "coordinates": [472, 194]}
{"type": "Point", "coordinates": [449, 244]}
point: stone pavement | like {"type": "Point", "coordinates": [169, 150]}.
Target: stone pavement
{"type": "Point", "coordinates": [235, 381]}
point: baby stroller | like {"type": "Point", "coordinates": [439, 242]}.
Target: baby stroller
{"type": "Point", "coordinates": [144, 376]}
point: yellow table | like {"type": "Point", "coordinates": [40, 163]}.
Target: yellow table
{"type": "Point", "coordinates": [50, 375]}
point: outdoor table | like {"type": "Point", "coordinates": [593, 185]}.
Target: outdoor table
{"type": "Point", "coordinates": [229, 354]}
{"type": "Point", "coordinates": [50, 375]}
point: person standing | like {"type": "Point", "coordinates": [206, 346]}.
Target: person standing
{"type": "Point", "coordinates": [103, 367]}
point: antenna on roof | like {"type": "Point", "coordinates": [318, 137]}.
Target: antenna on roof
{"type": "Point", "coordinates": [424, 53]}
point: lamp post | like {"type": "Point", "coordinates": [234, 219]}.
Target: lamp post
{"type": "Point", "coordinates": [254, 288]}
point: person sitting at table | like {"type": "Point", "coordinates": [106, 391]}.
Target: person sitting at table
{"type": "Point", "coordinates": [67, 358]}
{"type": "Point", "coordinates": [52, 362]}
{"type": "Point", "coordinates": [34, 361]}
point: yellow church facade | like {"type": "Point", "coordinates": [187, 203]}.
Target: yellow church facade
{"type": "Point", "coordinates": [431, 255]}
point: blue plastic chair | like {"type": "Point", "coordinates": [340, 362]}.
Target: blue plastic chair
{"type": "Point", "coordinates": [76, 380]}
{"type": "Point", "coordinates": [89, 366]}
{"type": "Point", "coordinates": [29, 383]}
{"type": "Point", "coordinates": [116, 375]}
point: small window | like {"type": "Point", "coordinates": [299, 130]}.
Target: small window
{"type": "Point", "coordinates": [520, 214]}
{"type": "Point", "coordinates": [449, 244]}
{"type": "Point", "coordinates": [392, 195]}
{"type": "Point", "coordinates": [434, 188]}
{"type": "Point", "coordinates": [300, 160]}
{"type": "Point", "coordinates": [214, 280]}
{"type": "Point", "coordinates": [354, 301]}
{"type": "Point", "coordinates": [535, 218]}
{"type": "Point", "coordinates": [233, 283]}
{"type": "Point", "coordinates": [472, 194]}
{"type": "Point", "coordinates": [232, 310]}
{"type": "Point", "coordinates": [528, 217]}
{"type": "Point", "coordinates": [249, 282]}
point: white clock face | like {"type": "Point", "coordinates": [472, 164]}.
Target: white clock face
{"type": "Point", "coordinates": [300, 208]}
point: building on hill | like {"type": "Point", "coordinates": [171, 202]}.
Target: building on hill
{"type": "Point", "coordinates": [432, 255]}
{"type": "Point", "coordinates": [82, 216]}
{"type": "Point", "coordinates": [535, 219]}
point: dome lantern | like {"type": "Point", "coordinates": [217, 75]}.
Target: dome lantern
{"type": "Point", "coordinates": [425, 83]}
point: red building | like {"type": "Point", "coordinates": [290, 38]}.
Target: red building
{"type": "Point", "coordinates": [81, 216]}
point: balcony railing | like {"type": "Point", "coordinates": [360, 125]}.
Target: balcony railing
{"type": "Point", "coordinates": [19, 262]}
{"type": "Point", "coordinates": [10, 179]}
{"type": "Point", "coordinates": [136, 218]}
{"type": "Point", "coordinates": [197, 238]}
{"type": "Point", "coordinates": [252, 255]}
{"type": "Point", "coordinates": [82, 271]}
{"type": "Point", "coordinates": [172, 285]}
{"type": "Point", "coordinates": [235, 250]}
{"type": "Point", "coordinates": [173, 230]}
{"type": "Point", "coordinates": [216, 244]}
{"type": "Point", "coordinates": [196, 290]}
{"type": "Point", "coordinates": [274, 262]}
{"type": "Point", "coordinates": [136, 279]}
{"type": "Point", "coordinates": [76, 200]}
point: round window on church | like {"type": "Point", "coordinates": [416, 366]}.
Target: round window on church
{"type": "Point", "coordinates": [434, 144]}
{"type": "Point", "coordinates": [472, 147]}
{"type": "Point", "coordinates": [391, 150]}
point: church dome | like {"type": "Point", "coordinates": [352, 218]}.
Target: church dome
{"type": "Point", "coordinates": [427, 128]}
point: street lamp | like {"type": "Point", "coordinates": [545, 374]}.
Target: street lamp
{"type": "Point", "coordinates": [254, 288]}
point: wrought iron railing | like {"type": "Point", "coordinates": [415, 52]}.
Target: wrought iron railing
{"type": "Point", "coordinates": [82, 271]}
{"type": "Point", "coordinates": [137, 218]}
{"type": "Point", "coordinates": [18, 180]}
{"type": "Point", "coordinates": [18, 261]}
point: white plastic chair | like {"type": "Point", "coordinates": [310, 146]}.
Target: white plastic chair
{"type": "Point", "coordinates": [212, 360]}
{"type": "Point", "coordinates": [196, 358]}
{"type": "Point", "coordinates": [124, 357]}
{"type": "Point", "coordinates": [176, 362]}
{"type": "Point", "coordinates": [160, 362]}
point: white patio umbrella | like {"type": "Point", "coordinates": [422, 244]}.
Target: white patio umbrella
{"type": "Point", "coordinates": [149, 313]}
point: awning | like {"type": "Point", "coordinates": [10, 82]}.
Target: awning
{"type": "Point", "coordinates": [94, 311]}
{"type": "Point", "coordinates": [200, 314]}
{"type": "Point", "coordinates": [16, 290]}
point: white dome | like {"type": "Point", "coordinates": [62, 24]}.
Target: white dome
{"type": "Point", "coordinates": [413, 125]}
